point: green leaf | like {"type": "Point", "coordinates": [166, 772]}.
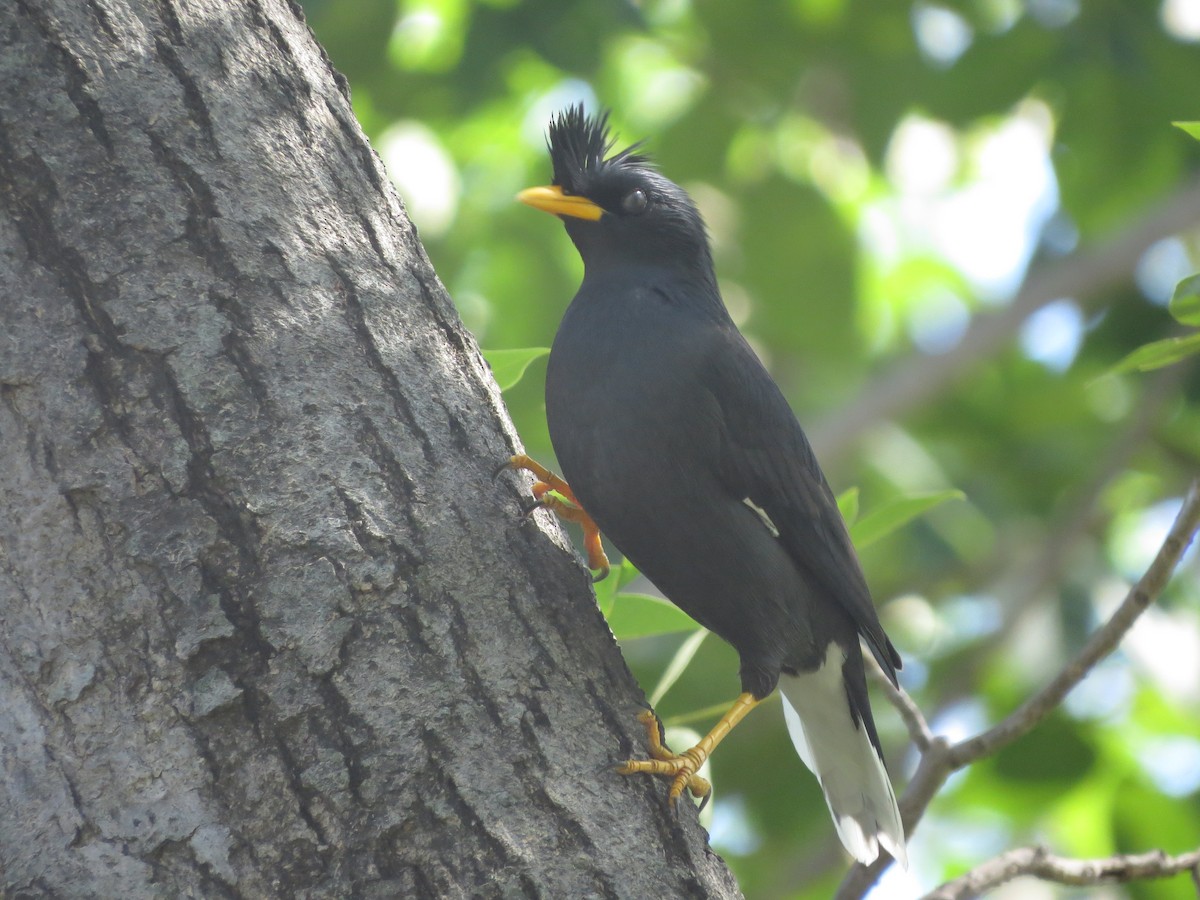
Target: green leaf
{"type": "Point", "coordinates": [626, 572]}
{"type": "Point", "coordinates": [1192, 128]}
{"type": "Point", "coordinates": [894, 514]}
{"type": "Point", "coordinates": [606, 594]}
{"type": "Point", "coordinates": [678, 663]}
{"type": "Point", "coordinates": [1158, 354]}
{"type": "Point", "coordinates": [847, 502]}
{"type": "Point", "coordinates": [640, 615]}
{"type": "Point", "coordinates": [1185, 303]}
{"type": "Point", "coordinates": [606, 590]}
{"type": "Point", "coordinates": [508, 366]}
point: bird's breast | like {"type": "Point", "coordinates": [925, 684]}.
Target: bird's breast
{"type": "Point", "coordinates": [623, 402]}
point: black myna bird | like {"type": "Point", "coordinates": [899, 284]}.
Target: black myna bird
{"type": "Point", "coordinates": [681, 448]}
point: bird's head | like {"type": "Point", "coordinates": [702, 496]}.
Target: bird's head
{"type": "Point", "coordinates": [619, 210]}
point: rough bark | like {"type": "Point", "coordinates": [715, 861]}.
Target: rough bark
{"type": "Point", "coordinates": [269, 626]}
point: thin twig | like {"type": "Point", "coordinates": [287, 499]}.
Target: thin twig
{"type": "Point", "coordinates": [942, 759]}
{"type": "Point", "coordinates": [1099, 645]}
{"type": "Point", "coordinates": [1040, 863]}
{"type": "Point", "coordinates": [914, 719]}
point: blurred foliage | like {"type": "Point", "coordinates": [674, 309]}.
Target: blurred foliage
{"type": "Point", "coordinates": [876, 176]}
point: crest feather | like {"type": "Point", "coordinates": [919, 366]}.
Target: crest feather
{"type": "Point", "coordinates": [579, 144]}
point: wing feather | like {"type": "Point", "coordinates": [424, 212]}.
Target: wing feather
{"type": "Point", "coordinates": [766, 458]}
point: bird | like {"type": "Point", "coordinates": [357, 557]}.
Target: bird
{"type": "Point", "coordinates": [678, 446]}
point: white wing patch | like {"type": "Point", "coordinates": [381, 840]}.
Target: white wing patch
{"type": "Point", "coordinates": [762, 514]}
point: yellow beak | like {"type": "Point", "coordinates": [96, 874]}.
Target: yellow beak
{"type": "Point", "coordinates": [551, 199]}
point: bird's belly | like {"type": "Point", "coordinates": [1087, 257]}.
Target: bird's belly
{"type": "Point", "coordinates": [725, 570]}
{"type": "Point", "coordinates": [651, 487]}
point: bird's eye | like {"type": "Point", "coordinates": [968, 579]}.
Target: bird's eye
{"type": "Point", "coordinates": [635, 202]}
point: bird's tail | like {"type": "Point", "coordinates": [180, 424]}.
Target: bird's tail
{"type": "Point", "coordinates": [836, 746]}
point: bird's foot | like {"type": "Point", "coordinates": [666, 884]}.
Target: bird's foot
{"type": "Point", "coordinates": [552, 493]}
{"type": "Point", "coordinates": [681, 768]}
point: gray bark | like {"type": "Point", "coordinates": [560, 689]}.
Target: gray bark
{"type": "Point", "coordinates": [269, 626]}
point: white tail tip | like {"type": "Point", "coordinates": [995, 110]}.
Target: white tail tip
{"type": "Point", "coordinates": [837, 750]}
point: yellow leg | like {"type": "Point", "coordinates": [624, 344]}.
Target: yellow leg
{"type": "Point", "coordinates": [682, 767]}
{"type": "Point", "coordinates": [570, 511]}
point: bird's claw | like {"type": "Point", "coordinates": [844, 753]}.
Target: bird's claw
{"type": "Point", "coordinates": [552, 493]}
{"type": "Point", "coordinates": [528, 509]}
{"type": "Point", "coordinates": [681, 768]}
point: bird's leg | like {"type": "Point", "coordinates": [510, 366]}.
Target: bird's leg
{"type": "Point", "coordinates": [682, 767]}
{"type": "Point", "coordinates": [566, 507]}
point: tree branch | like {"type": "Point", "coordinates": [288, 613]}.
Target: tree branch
{"type": "Point", "coordinates": [1083, 275]}
{"type": "Point", "coordinates": [1100, 645]}
{"type": "Point", "coordinates": [943, 759]}
{"type": "Point", "coordinates": [1040, 863]}
{"type": "Point", "coordinates": [914, 720]}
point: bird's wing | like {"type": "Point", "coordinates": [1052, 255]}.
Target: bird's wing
{"type": "Point", "coordinates": [766, 459]}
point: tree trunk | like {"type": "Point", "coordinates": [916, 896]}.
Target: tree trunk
{"type": "Point", "coordinates": [270, 628]}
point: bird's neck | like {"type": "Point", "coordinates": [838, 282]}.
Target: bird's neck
{"type": "Point", "coordinates": [692, 269]}
{"type": "Point", "coordinates": [692, 287]}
